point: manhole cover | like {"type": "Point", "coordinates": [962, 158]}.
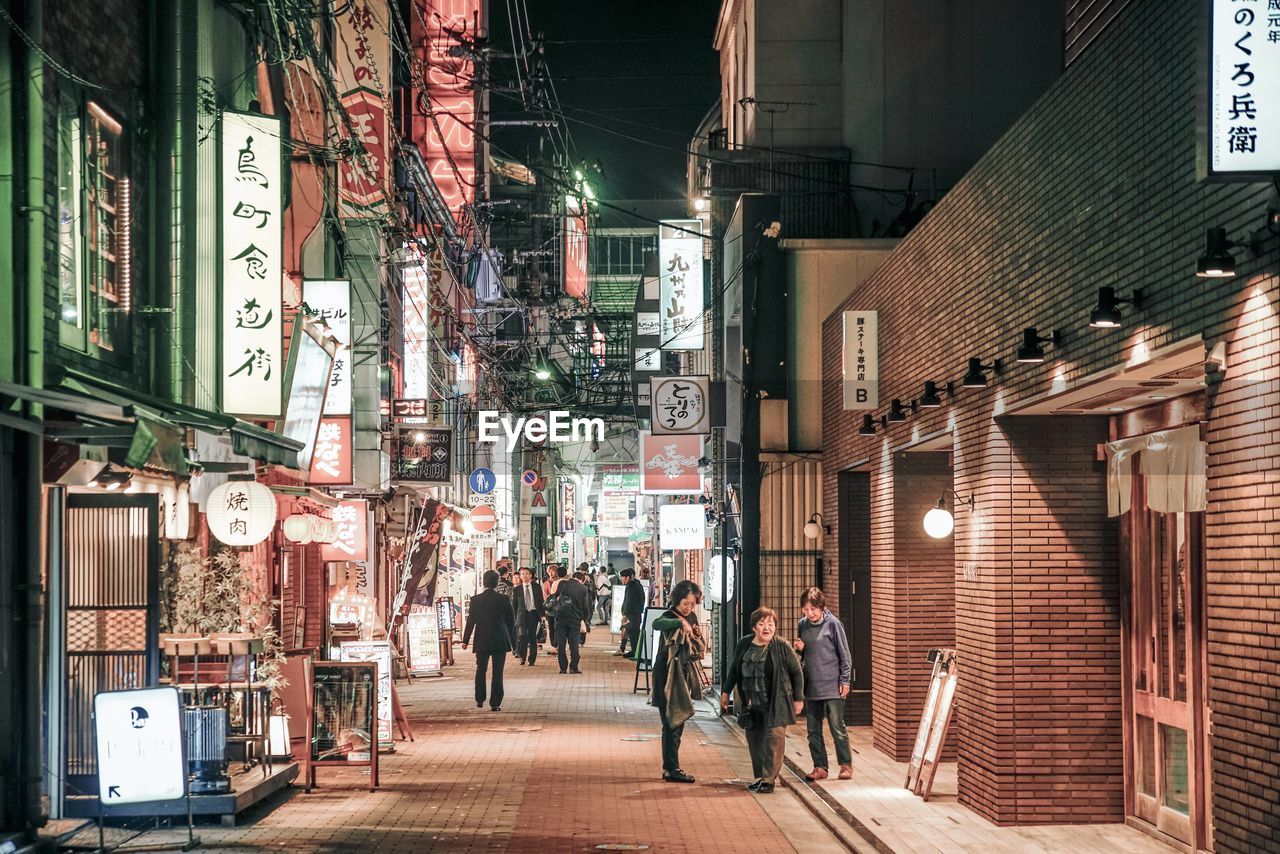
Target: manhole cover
{"type": "Point", "coordinates": [622, 846]}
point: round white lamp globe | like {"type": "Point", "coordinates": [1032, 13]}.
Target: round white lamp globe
{"type": "Point", "coordinates": [939, 522]}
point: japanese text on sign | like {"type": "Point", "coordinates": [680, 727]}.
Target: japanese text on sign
{"type": "Point", "coordinates": [681, 300]}
{"type": "Point", "coordinates": [1244, 106]}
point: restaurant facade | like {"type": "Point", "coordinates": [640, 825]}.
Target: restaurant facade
{"type": "Point", "coordinates": [1087, 385]}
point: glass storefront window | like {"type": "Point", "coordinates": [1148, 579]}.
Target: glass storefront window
{"type": "Point", "coordinates": [70, 223]}
{"type": "Point", "coordinates": [1175, 792]}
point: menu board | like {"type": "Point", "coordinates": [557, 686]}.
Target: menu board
{"type": "Point", "coordinates": [378, 652]}
{"type": "Point", "coordinates": [343, 697]}
{"type": "Point", "coordinates": [423, 629]}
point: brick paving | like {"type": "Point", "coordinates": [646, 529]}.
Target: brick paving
{"type": "Point", "coordinates": [571, 763]}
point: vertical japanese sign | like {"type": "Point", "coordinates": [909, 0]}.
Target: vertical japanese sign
{"type": "Point", "coordinates": [362, 59]}
{"type": "Point", "coordinates": [250, 255]}
{"type": "Point", "coordinates": [331, 461]}
{"type": "Point", "coordinates": [442, 31]}
{"type": "Point", "coordinates": [576, 284]}
{"type": "Point", "coordinates": [1244, 87]}
{"type": "Point", "coordinates": [681, 300]}
{"type": "Point", "coordinates": [860, 360]}
{"type": "Point", "coordinates": [417, 330]}
{"type": "Point", "coordinates": [352, 540]}
{"type": "Point", "coordinates": [330, 302]}
{"type": "Point", "coordinates": [669, 465]}
{"type": "Point", "coordinates": [568, 507]}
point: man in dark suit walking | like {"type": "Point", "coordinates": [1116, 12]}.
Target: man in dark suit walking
{"type": "Point", "coordinates": [526, 606]}
{"type": "Point", "coordinates": [490, 619]}
{"type": "Point", "coordinates": [632, 611]}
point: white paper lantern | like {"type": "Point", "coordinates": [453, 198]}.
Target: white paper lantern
{"type": "Point", "coordinates": [718, 567]}
{"type": "Point", "coordinates": [241, 512]}
{"type": "Point", "coordinates": [297, 528]}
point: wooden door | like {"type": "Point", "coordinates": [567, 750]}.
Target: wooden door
{"type": "Point", "coordinates": [1167, 777]}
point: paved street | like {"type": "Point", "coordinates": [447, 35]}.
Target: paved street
{"type": "Point", "coordinates": [570, 764]}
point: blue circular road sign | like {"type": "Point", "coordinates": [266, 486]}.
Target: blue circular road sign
{"type": "Point", "coordinates": [482, 481]}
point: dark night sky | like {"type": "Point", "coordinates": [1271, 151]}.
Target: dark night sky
{"type": "Point", "coordinates": [645, 69]}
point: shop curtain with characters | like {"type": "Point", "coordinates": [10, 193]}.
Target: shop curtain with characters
{"type": "Point", "coordinates": [1172, 461]}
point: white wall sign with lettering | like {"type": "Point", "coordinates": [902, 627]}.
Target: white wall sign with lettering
{"type": "Point", "coordinates": [250, 257]}
{"type": "Point", "coordinates": [681, 300]}
{"type": "Point", "coordinates": [648, 359]}
{"type": "Point", "coordinates": [682, 526]}
{"type": "Point", "coordinates": [680, 405]}
{"type": "Point", "coordinates": [330, 301]}
{"type": "Point", "coordinates": [139, 738]}
{"type": "Point", "coordinates": [647, 323]}
{"type": "Point", "coordinates": [1244, 88]}
{"type": "Point", "coordinates": [860, 364]}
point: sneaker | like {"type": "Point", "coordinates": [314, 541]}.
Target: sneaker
{"type": "Point", "coordinates": [817, 774]}
{"type": "Point", "coordinates": [846, 772]}
{"type": "Point", "coordinates": [753, 786]}
{"type": "Point", "coordinates": [676, 776]}
{"type": "Point", "coordinates": [764, 789]}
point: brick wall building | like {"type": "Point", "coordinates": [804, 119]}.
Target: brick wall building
{"type": "Point", "coordinates": [1096, 185]}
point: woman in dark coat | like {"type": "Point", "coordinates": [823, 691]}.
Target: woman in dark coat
{"type": "Point", "coordinates": [682, 642]}
{"type": "Point", "coordinates": [769, 683]}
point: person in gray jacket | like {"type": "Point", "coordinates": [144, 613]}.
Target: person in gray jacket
{"type": "Point", "coordinates": [824, 651]}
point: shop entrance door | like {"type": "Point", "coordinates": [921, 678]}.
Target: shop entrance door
{"type": "Point", "coordinates": [1167, 762]}
{"type": "Point", "coordinates": [110, 595]}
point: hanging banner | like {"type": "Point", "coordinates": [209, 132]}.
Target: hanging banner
{"type": "Point", "coordinates": [681, 300]}
{"type": "Point", "coordinates": [250, 258]}
{"type": "Point", "coordinates": [669, 465]}
{"type": "Point", "coordinates": [352, 540]}
{"type": "Point", "coordinates": [331, 462]}
{"type": "Point", "coordinates": [362, 60]}
{"type": "Point", "coordinates": [419, 567]}
{"type": "Point", "coordinates": [330, 303]}
{"type": "Point", "coordinates": [1244, 89]}
{"type": "Point", "coordinates": [680, 405]}
{"type": "Point", "coordinates": [860, 360]}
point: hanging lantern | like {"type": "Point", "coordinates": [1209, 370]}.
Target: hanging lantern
{"type": "Point", "coordinates": [719, 571]}
{"type": "Point", "coordinates": [297, 528]}
{"type": "Point", "coordinates": [241, 512]}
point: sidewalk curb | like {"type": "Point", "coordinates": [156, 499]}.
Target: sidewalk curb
{"type": "Point", "coordinates": [853, 834]}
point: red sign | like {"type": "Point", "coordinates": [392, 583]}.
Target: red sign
{"type": "Point", "coordinates": [352, 540]}
{"type": "Point", "coordinates": [331, 462]}
{"type": "Point", "coordinates": [362, 59]}
{"type": "Point", "coordinates": [669, 464]}
{"type": "Point", "coordinates": [483, 518]}
{"type": "Point", "coordinates": [442, 126]}
{"type": "Point", "coordinates": [575, 254]}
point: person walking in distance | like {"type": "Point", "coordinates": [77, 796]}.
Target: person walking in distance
{"type": "Point", "coordinates": [824, 652]}
{"type": "Point", "coordinates": [572, 605]}
{"type": "Point", "coordinates": [526, 607]}
{"type": "Point", "coordinates": [490, 619]}
{"type": "Point", "coordinates": [632, 610]}
{"type": "Point", "coordinates": [549, 586]}
{"type": "Point", "coordinates": [676, 684]}
{"type": "Point", "coordinates": [604, 595]}
{"type": "Point", "coordinates": [769, 682]}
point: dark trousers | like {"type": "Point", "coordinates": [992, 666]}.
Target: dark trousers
{"type": "Point", "coordinates": [815, 711]}
{"type": "Point", "coordinates": [630, 632]}
{"type": "Point", "coordinates": [499, 660]}
{"type": "Point", "coordinates": [527, 637]}
{"type": "Point", "coordinates": [670, 742]}
{"type": "Point", "coordinates": [765, 744]}
{"type": "Point", "coordinates": [567, 634]}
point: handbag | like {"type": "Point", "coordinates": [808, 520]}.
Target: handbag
{"type": "Point", "coordinates": [542, 632]}
{"type": "Point", "coordinates": [749, 718]}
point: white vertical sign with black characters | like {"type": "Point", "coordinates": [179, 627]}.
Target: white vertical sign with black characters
{"type": "Point", "coordinates": [860, 365]}
{"type": "Point", "coordinates": [250, 257]}
{"type": "Point", "coordinates": [1244, 88]}
{"type": "Point", "coordinates": [681, 300]}
{"type": "Point", "coordinates": [330, 302]}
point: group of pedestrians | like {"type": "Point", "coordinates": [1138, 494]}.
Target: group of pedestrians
{"type": "Point", "coordinates": [771, 682]}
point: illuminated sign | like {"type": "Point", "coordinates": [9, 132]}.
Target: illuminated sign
{"type": "Point", "coordinates": [411, 407]}
{"type": "Point", "coordinates": [351, 539]}
{"type": "Point", "coordinates": [680, 404]}
{"type": "Point", "coordinates": [599, 350]}
{"type": "Point", "coordinates": [669, 464]}
{"type": "Point", "coordinates": [576, 284]}
{"type": "Point", "coordinates": [310, 370]}
{"type": "Point", "coordinates": [1244, 89]}
{"type": "Point", "coordinates": [568, 507]}
{"type": "Point", "coordinates": [860, 360]}
{"type": "Point", "coordinates": [423, 454]}
{"type": "Point", "coordinates": [250, 255]}
{"type": "Point", "coordinates": [331, 462]}
{"type": "Point", "coordinates": [362, 59]}
{"type": "Point", "coordinates": [680, 297]}
{"type": "Point", "coordinates": [682, 526]}
{"type": "Point", "coordinates": [240, 512]}
{"type": "Point", "coordinates": [443, 130]}
{"type": "Point", "coordinates": [139, 739]}
{"type": "Point", "coordinates": [330, 303]}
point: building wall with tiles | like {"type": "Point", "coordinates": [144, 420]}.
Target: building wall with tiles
{"type": "Point", "coordinates": [1095, 185]}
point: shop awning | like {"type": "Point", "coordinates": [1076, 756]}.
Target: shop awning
{"type": "Point", "coordinates": [104, 402]}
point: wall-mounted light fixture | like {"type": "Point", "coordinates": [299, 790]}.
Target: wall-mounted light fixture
{"type": "Point", "coordinates": [939, 522]}
{"type": "Point", "coordinates": [1031, 352]}
{"type": "Point", "coordinates": [931, 399]}
{"type": "Point", "coordinates": [1107, 315]}
{"type": "Point", "coordinates": [897, 414]}
{"type": "Point", "coordinates": [975, 376]}
{"type": "Point", "coordinates": [814, 528]}
{"type": "Point", "coordinates": [1217, 262]}
{"type": "Point", "coordinates": [868, 427]}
